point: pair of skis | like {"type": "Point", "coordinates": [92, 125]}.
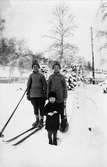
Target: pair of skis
{"type": "Point", "coordinates": [33, 131]}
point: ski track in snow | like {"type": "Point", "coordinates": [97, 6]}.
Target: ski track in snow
{"type": "Point", "coordinates": [79, 147]}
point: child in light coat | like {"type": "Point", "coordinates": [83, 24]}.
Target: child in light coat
{"type": "Point", "coordinates": [37, 92]}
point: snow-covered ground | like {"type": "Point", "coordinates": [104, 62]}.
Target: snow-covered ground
{"type": "Point", "coordinates": [79, 147]}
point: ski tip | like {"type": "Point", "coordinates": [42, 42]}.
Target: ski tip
{"type": "Point", "coordinates": [19, 142]}
{"type": "Point", "coordinates": [14, 144]}
{"type": "Point", "coordinates": [6, 142]}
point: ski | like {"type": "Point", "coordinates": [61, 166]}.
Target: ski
{"type": "Point", "coordinates": [26, 137]}
{"type": "Point", "coordinates": [13, 138]}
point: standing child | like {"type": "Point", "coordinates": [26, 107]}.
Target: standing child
{"type": "Point", "coordinates": [57, 83]}
{"type": "Point", "coordinates": [36, 92]}
{"type": "Point", "coordinates": [51, 111]}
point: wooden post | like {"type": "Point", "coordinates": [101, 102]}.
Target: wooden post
{"type": "Point", "coordinates": [92, 50]}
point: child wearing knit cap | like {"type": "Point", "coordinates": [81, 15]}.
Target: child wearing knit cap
{"type": "Point", "coordinates": [52, 113]}
{"type": "Point", "coordinates": [37, 92]}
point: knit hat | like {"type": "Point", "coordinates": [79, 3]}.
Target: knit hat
{"type": "Point", "coordinates": [56, 63]}
{"type": "Point", "coordinates": [35, 62]}
{"type": "Point", "coordinates": [52, 94]}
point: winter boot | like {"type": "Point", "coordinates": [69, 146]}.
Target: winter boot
{"type": "Point", "coordinates": [35, 124]}
{"type": "Point", "coordinates": [50, 141]}
{"type": "Point", "coordinates": [55, 138]}
{"type": "Point", "coordinates": [41, 123]}
{"type": "Point", "coordinates": [55, 142]}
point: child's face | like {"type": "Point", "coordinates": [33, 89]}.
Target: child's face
{"type": "Point", "coordinates": [35, 68]}
{"type": "Point", "coordinates": [56, 68]}
{"type": "Point", "coordinates": [52, 99]}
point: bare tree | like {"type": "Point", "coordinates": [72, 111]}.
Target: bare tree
{"type": "Point", "coordinates": [101, 17]}
{"type": "Point", "coordinates": [101, 35]}
{"type": "Point", "coordinates": [61, 33]}
{"type": "Point", "coordinates": [102, 10]}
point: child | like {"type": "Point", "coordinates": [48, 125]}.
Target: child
{"type": "Point", "coordinates": [36, 92]}
{"type": "Point", "coordinates": [57, 83]}
{"type": "Point", "coordinates": [51, 111]}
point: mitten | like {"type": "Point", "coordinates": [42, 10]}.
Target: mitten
{"type": "Point", "coordinates": [28, 97]}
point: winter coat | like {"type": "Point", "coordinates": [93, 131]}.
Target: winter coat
{"type": "Point", "coordinates": [57, 84]}
{"type": "Point", "coordinates": [37, 85]}
{"type": "Point", "coordinates": [52, 122]}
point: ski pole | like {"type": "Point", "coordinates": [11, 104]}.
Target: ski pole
{"type": "Point", "coordinates": [1, 133]}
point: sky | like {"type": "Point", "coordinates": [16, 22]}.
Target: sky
{"type": "Point", "coordinates": [29, 20]}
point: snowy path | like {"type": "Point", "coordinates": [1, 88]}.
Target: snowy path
{"type": "Point", "coordinates": [77, 148]}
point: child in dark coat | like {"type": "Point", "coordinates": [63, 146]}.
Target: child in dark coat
{"type": "Point", "coordinates": [52, 112]}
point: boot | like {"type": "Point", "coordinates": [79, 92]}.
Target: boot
{"type": "Point", "coordinates": [41, 123]}
{"type": "Point", "coordinates": [50, 141]}
{"type": "Point", "coordinates": [55, 138]}
{"type": "Point", "coordinates": [50, 137]}
{"type": "Point", "coordinates": [35, 124]}
{"type": "Point", "coordinates": [55, 142]}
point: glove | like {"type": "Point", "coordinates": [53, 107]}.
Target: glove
{"type": "Point", "coordinates": [55, 112]}
{"type": "Point", "coordinates": [50, 114]}
{"type": "Point", "coordinates": [28, 97]}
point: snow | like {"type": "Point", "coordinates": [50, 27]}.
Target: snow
{"type": "Point", "coordinates": [79, 147]}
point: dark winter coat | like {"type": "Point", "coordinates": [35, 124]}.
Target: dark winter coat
{"type": "Point", "coordinates": [57, 84]}
{"type": "Point", "coordinates": [52, 122]}
{"type": "Point", "coordinates": [36, 85]}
